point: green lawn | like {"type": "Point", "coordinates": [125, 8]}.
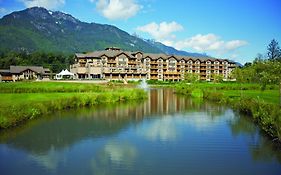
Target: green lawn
{"type": "Point", "coordinates": [269, 96]}
{"type": "Point", "coordinates": [236, 90]}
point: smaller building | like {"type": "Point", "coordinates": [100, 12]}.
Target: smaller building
{"type": "Point", "coordinates": [16, 73]}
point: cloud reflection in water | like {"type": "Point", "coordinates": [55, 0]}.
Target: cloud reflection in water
{"type": "Point", "coordinates": [169, 127]}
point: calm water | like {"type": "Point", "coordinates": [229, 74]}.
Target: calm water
{"type": "Point", "coordinates": [167, 134]}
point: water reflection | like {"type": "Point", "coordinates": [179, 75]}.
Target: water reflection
{"type": "Point", "coordinates": [134, 139]}
{"type": "Point", "coordinates": [116, 153]}
{"type": "Point", "coordinates": [261, 148]}
{"type": "Point", "coordinates": [49, 160]}
{"type": "Point", "coordinates": [66, 128]}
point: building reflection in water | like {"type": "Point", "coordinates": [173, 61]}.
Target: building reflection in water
{"type": "Point", "coordinates": [159, 102]}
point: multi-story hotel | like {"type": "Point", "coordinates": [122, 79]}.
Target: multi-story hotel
{"type": "Point", "coordinates": [115, 64]}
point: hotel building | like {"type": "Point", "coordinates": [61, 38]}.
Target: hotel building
{"type": "Point", "coordinates": [115, 64]}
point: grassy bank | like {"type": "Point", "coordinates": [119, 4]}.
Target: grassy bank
{"type": "Point", "coordinates": [261, 105]}
{"type": "Point", "coordinates": [45, 87]}
{"type": "Point", "coordinates": [32, 100]}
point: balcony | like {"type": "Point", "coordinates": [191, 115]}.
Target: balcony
{"type": "Point", "coordinates": [132, 62]}
{"type": "Point", "coordinates": [153, 67]}
{"type": "Point", "coordinates": [154, 73]}
{"type": "Point", "coordinates": [111, 62]}
{"type": "Point", "coordinates": [153, 62]}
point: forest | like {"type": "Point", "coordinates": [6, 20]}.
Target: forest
{"type": "Point", "coordinates": [54, 61]}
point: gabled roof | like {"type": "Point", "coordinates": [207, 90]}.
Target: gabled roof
{"type": "Point", "coordinates": [128, 54]}
{"type": "Point", "coordinates": [5, 72]}
{"type": "Point", "coordinates": [115, 52]}
{"type": "Point", "coordinates": [47, 70]}
{"type": "Point", "coordinates": [155, 56]}
{"type": "Point", "coordinates": [19, 69]}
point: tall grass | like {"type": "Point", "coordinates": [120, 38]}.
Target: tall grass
{"type": "Point", "coordinates": [45, 87]}
{"type": "Point", "coordinates": [23, 101]}
{"type": "Point", "coordinates": [19, 112]}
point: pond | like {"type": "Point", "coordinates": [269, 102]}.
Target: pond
{"type": "Point", "coordinates": [166, 134]}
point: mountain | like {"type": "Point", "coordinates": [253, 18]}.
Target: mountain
{"type": "Point", "coordinates": [172, 51]}
{"type": "Point", "coordinates": [38, 29]}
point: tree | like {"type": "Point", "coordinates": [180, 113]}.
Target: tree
{"type": "Point", "coordinates": [259, 58]}
{"type": "Point", "coordinates": [191, 77]}
{"type": "Point", "coordinates": [248, 64]}
{"type": "Point", "coordinates": [217, 78]}
{"type": "Point", "coordinates": [274, 52]}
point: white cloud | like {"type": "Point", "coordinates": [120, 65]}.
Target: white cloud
{"type": "Point", "coordinates": [3, 10]}
{"type": "Point", "coordinates": [117, 9]}
{"type": "Point", "coordinates": [232, 45]}
{"type": "Point", "coordinates": [208, 42]}
{"type": "Point", "coordinates": [49, 4]}
{"type": "Point", "coordinates": [161, 32]}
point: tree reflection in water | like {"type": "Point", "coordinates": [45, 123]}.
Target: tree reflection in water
{"type": "Point", "coordinates": [262, 148]}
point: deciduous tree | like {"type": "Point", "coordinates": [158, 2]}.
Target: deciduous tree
{"type": "Point", "coordinates": [273, 50]}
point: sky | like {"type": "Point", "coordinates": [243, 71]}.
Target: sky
{"type": "Point", "coordinates": [232, 29]}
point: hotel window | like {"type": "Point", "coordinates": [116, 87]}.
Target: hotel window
{"type": "Point", "coordinates": [122, 61]}
{"type": "Point", "coordinates": [172, 63]}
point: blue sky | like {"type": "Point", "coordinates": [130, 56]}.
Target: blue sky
{"type": "Point", "coordinates": [233, 29]}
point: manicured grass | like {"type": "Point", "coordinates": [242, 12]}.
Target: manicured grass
{"type": "Point", "coordinates": [43, 98]}
{"type": "Point", "coordinates": [234, 90]}
{"type": "Point", "coordinates": [268, 96]}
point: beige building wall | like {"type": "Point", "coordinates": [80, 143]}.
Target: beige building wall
{"type": "Point", "coordinates": [136, 66]}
